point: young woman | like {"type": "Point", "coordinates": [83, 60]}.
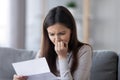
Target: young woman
{"type": "Point", "coordinates": [67, 57]}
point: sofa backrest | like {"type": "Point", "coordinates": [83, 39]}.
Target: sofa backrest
{"type": "Point", "coordinates": [105, 65]}
{"type": "Point", "coordinates": [119, 67]}
{"type": "Point", "coordinates": [9, 56]}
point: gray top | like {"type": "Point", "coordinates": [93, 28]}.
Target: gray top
{"type": "Point", "coordinates": [84, 65]}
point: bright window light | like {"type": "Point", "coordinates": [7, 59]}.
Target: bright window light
{"type": "Point", "coordinates": [4, 22]}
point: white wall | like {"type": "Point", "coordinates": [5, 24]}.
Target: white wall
{"type": "Point", "coordinates": [105, 25]}
{"type": "Point", "coordinates": [33, 24]}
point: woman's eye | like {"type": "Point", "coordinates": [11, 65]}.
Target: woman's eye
{"type": "Point", "coordinates": [61, 33]}
{"type": "Point", "coordinates": [51, 34]}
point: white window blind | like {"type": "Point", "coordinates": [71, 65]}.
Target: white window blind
{"type": "Point", "coordinates": [4, 22]}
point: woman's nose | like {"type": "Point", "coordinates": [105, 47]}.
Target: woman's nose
{"type": "Point", "coordinates": [57, 38]}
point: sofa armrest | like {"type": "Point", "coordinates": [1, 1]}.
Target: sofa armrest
{"type": "Point", "coordinates": [105, 65]}
{"type": "Point", "coordinates": [9, 56]}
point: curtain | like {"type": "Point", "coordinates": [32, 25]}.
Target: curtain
{"type": "Point", "coordinates": [17, 23]}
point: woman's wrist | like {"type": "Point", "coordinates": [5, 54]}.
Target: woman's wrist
{"type": "Point", "coordinates": [62, 57]}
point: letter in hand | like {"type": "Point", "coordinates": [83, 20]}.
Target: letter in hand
{"type": "Point", "coordinates": [19, 77]}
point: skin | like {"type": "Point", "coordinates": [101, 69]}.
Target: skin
{"type": "Point", "coordinates": [19, 77]}
{"type": "Point", "coordinates": [59, 36]}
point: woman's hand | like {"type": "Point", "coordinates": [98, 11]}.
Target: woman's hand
{"type": "Point", "coordinates": [61, 49]}
{"type": "Point", "coordinates": [16, 77]}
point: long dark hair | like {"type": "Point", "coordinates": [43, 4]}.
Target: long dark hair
{"type": "Point", "coordinates": [60, 15]}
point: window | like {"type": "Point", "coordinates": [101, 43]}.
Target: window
{"type": "Point", "coordinates": [4, 22]}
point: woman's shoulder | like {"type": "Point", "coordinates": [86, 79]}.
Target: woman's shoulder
{"type": "Point", "coordinates": [86, 48]}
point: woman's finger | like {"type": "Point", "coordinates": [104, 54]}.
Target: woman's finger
{"type": "Point", "coordinates": [19, 77]}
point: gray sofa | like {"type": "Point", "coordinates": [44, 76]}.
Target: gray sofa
{"type": "Point", "coordinates": [105, 63]}
{"type": "Point", "coordinates": [10, 55]}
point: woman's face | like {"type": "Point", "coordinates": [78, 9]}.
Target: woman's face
{"type": "Point", "coordinates": [58, 33]}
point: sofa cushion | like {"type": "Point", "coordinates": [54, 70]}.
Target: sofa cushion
{"type": "Point", "coordinates": [119, 67]}
{"type": "Point", "coordinates": [10, 55]}
{"type": "Point", "coordinates": [105, 65]}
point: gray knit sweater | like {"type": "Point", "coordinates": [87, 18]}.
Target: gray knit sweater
{"type": "Point", "coordinates": [84, 65]}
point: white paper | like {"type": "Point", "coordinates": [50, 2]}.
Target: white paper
{"type": "Point", "coordinates": [36, 69]}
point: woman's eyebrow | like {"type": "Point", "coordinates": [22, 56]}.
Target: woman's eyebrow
{"type": "Point", "coordinates": [50, 32]}
{"type": "Point", "coordinates": [62, 31]}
